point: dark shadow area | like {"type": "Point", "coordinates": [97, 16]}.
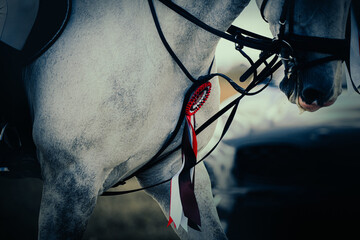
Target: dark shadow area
{"type": "Point", "coordinates": [300, 183]}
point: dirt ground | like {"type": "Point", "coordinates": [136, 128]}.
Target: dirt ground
{"type": "Point", "coordinates": [132, 216]}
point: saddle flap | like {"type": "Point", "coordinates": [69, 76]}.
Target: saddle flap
{"type": "Point", "coordinates": [47, 27]}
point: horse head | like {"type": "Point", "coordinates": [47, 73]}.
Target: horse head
{"type": "Point", "coordinates": [313, 33]}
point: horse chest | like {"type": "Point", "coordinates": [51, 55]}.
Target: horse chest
{"type": "Point", "coordinates": [117, 97]}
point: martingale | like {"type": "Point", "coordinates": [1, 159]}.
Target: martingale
{"type": "Point", "coordinates": [274, 52]}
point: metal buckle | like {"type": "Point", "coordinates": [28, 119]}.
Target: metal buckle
{"type": "Point", "coordinates": [238, 46]}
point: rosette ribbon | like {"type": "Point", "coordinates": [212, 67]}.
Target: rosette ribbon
{"type": "Point", "coordinates": [184, 210]}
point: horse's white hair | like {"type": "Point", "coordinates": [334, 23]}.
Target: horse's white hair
{"type": "Point", "coordinates": [106, 96]}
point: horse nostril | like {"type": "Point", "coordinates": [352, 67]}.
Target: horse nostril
{"type": "Point", "coordinates": [310, 95]}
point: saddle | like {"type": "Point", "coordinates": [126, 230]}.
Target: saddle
{"type": "Point", "coordinates": [17, 150]}
{"type": "Point", "coordinates": [49, 24]}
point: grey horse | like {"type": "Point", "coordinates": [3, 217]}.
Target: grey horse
{"type": "Point", "coordinates": [105, 97]}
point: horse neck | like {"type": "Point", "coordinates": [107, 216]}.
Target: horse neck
{"type": "Point", "coordinates": [194, 46]}
{"type": "Point", "coordinates": [198, 46]}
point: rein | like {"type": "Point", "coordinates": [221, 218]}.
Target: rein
{"type": "Point", "coordinates": [254, 40]}
{"type": "Point", "coordinates": [281, 49]}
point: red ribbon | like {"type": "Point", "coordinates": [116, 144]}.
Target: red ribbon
{"type": "Point", "coordinates": [183, 198]}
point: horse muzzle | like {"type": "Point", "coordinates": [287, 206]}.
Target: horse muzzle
{"type": "Point", "coordinates": [314, 106]}
{"type": "Point", "coordinates": [312, 88]}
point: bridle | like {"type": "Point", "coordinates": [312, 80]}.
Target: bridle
{"type": "Point", "coordinates": [335, 49]}
{"type": "Point", "coordinates": [274, 52]}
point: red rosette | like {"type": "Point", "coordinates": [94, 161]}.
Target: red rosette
{"type": "Point", "coordinates": [198, 98]}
